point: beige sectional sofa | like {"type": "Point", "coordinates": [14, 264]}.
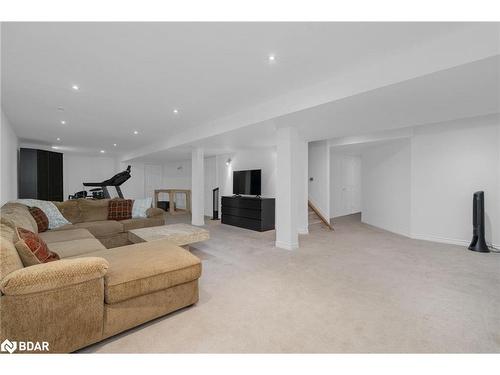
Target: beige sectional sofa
{"type": "Point", "coordinates": [92, 215]}
{"type": "Point", "coordinates": [101, 286]}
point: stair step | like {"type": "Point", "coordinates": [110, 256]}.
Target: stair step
{"type": "Point", "coordinates": [315, 219]}
{"type": "Point", "coordinates": [315, 222]}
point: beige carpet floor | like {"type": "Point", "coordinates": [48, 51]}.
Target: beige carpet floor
{"type": "Point", "coordinates": [358, 289]}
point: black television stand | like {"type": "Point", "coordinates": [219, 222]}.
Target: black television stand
{"type": "Point", "coordinates": [253, 213]}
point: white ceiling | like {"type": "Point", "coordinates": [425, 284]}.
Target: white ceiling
{"type": "Point", "coordinates": [132, 75]}
{"type": "Point", "coordinates": [469, 90]}
{"type": "Point", "coordinates": [252, 137]}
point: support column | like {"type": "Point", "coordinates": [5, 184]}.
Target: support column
{"type": "Point", "coordinates": [286, 189]}
{"type": "Point", "coordinates": [197, 187]}
{"type": "Point", "coordinates": [301, 166]}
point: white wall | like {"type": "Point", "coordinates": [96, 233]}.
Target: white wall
{"type": "Point", "coordinates": [422, 186]}
{"type": "Point", "coordinates": [264, 159]}
{"type": "Point", "coordinates": [386, 181]}
{"type": "Point", "coordinates": [9, 155]}
{"type": "Point", "coordinates": [134, 187]}
{"type": "Point", "coordinates": [345, 184]}
{"type": "Point", "coordinates": [177, 175]}
{"type": "Point", "coordinates": [319, 171]}
{"type": "Point", "coordinates": [450, 161]}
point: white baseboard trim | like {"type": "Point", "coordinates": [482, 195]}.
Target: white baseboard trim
{"type": "Point", "coordinates": [287, 245]}
{"type": "Point", "coordinates": [303, 230]}
{"type": "Point", "coordinates": [446, 240]}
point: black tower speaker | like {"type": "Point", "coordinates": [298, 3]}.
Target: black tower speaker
{"type": "Point", "coordinates": [478, 241]}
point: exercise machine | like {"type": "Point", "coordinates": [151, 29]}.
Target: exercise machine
{"type": "Point", "coordinates": [116, 181]}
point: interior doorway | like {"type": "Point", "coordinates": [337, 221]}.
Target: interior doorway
{"type": "Point", "coordinates": [345, 184]}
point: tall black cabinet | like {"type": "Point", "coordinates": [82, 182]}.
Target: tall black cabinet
{"type": "Point", "coordinates": [40, 174]}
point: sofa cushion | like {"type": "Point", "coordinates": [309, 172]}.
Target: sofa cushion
{"type": "Point", "coordinates": [64, 227]}
{"type": "Point", "coordinates": [48, 277]}
{"type": "Point", "coordinates": [56, 219]}
{"type": "Point", "coordinates": [65, 235]}
{"type": "Point", "coordinates": [139, 269]}
{"type": "Point", "coordinates": [72, 248]}
{"type": "Point", "coordinates": [17, 215]}
{"type": "Point", "coordinates": [42, 221]}
{"type": "Point", "coordinates": [93, 209]}
{"type": "Point", "coordinates": [155, 212]}
{"type": "Point", "coordinates": [70, 210]}
{"type": "Point", "coordinates": [140, 207]}
{"type": "Point", "coordinates": [9, 257]}
{"type": "Point", "coordinates": [101, 228]}
{"type": "Point", "coordinates": [141, 223]}
{"type": "Point", "coordinates": [120, 209]}
{"type": "Point", "coordinates": [32, 249]}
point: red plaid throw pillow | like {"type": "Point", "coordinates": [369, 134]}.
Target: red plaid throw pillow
{"type": "Point", "coordinates": [42, 221]}
{"type": "Point", "coordinates": [32, 249]}
{"type": "Point", "coordinates": [120, 209]}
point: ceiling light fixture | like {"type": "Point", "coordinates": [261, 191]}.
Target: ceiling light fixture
{"type": "Point", "coordinates": [176, 111]}
{"type": "Point", "coordinates": [58, 138]}
{"type": "Point", "coordinates": [102, 151]}
{"type": "Point", "coordinates": [55, 147]}
{"type": "Point", "coordinates": [272, 58]}
{"type": "Point", "coordinates": [75, 87]}
{"type": "Point", "coordinates": [114, 145]}
{"type": "Point", "coordinates": [136, 132]}
{"type": "Point", "coordinates": [63, 122]}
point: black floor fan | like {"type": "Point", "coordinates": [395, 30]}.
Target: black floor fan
{"type": "Point", "coordinates": [215, 204]}
{"type": "Point", "coordinates": [478, 237]}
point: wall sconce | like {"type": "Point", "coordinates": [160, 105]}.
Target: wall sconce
{"type": "Point", "coordinates": [228, 161]}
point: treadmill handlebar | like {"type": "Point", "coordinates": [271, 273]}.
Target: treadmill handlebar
{"type": "Point", "coordinates": [116, 180]}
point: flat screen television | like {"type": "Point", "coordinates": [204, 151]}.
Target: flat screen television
{"type": "Point", "coordinates": [246, 182]}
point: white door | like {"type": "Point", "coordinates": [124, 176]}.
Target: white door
{"type": "Point", "coordinates": [351, 184]}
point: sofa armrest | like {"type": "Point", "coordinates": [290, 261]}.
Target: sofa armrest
{"type": "Point", "coordinates": [53, 275]}
{"type": "Point", "coordinates": [154, 211]}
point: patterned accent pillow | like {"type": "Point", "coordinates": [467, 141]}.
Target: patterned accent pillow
{"type": "Point", "coordinates": [120, 209]}
{"type": "Point", "coordinates": [140, 207]}
{"type": "Point", "coordinates": [56, 219]}
{"type": "Point", "coordinates": [32, 249]}
{"type": "Point", "coordinates": [42, 221]}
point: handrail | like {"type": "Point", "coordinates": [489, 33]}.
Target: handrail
{"type": "Point", "coordinates": [322, 218]}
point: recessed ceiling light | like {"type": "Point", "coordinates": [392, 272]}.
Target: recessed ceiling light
{"type": "Point", "coordinates": [136, 132]}
{"type": "Point", "coordinates": [272, 58]}
{"type": "Point", "coordinates": [58, 138]}
{"type": "Point", "coordinates": [75, 87]}
{"type": "Point", "coordinates": [63, 122]}
{"type": "Point", "coordinates": [176, 111]}
{"type": "Point", "coordinates": [114, 145]}
{"type": "Point", "coordinates": [102, 151]}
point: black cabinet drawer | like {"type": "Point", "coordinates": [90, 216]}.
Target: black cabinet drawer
{"type": "Point", "coordinates": [242, 222]}
{"type": "Point", "coordinates": [239, 202]}
{"type": "Point", "coordinates": [243, 212]}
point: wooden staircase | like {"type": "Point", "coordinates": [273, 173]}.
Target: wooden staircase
{"type": "Point", "coordinates": [315, 217]}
